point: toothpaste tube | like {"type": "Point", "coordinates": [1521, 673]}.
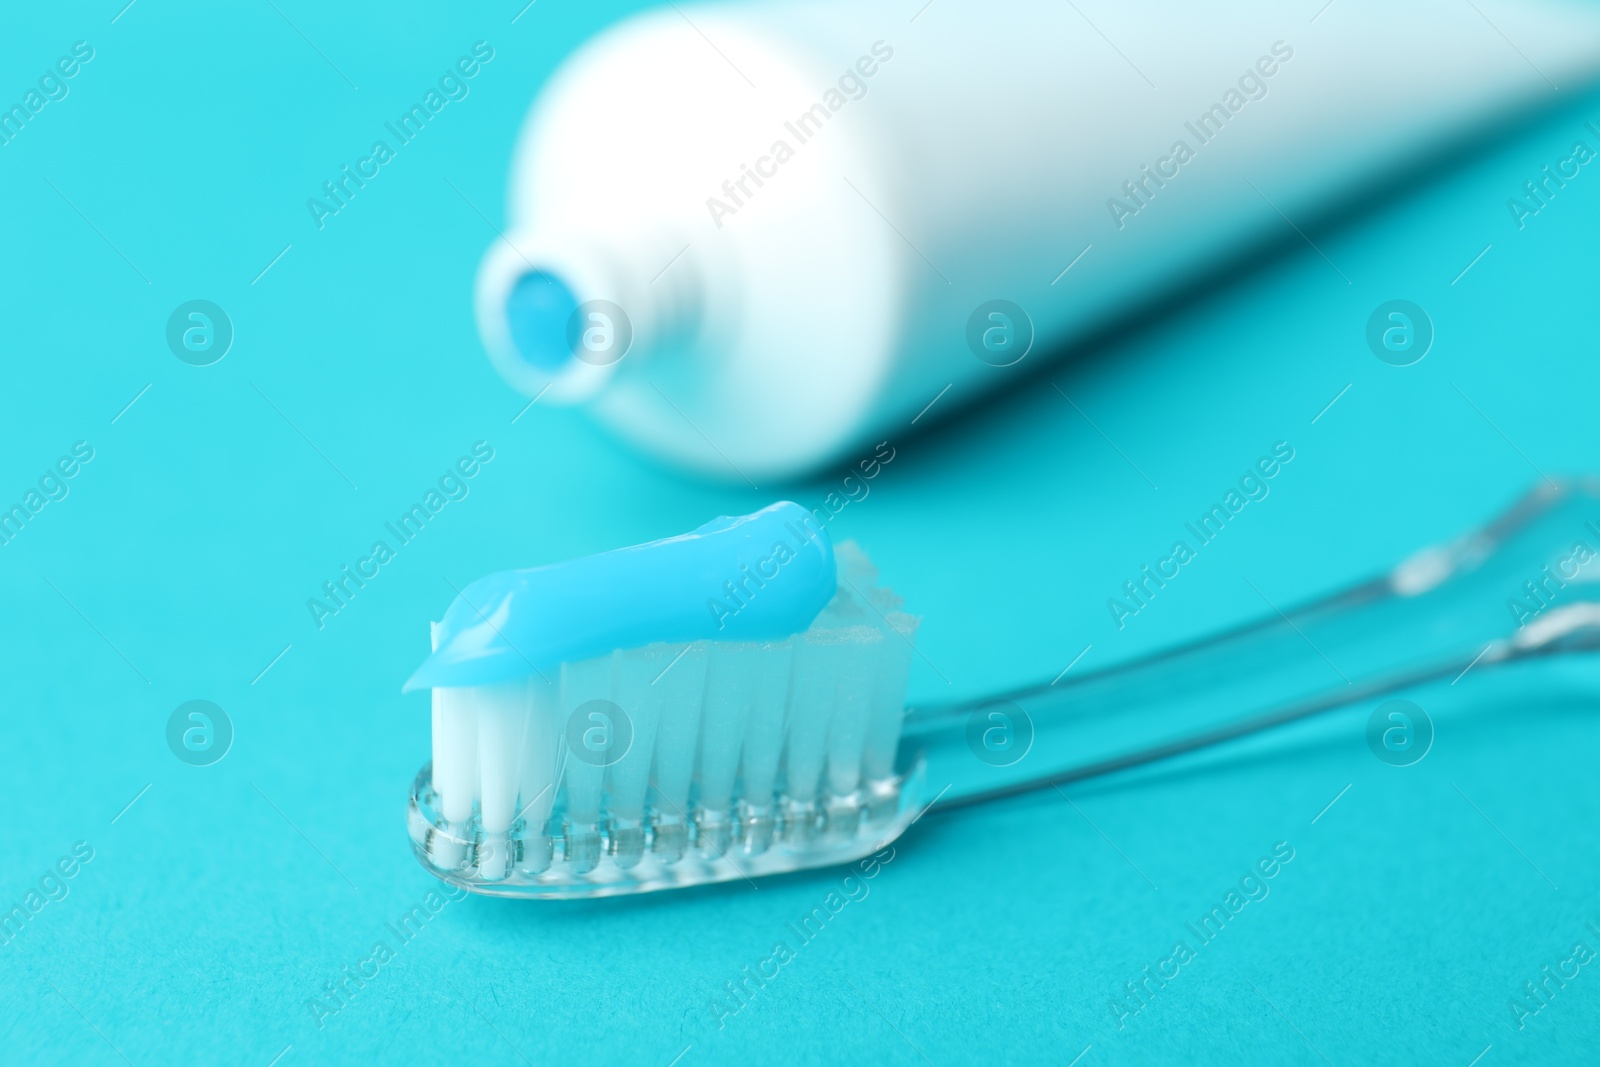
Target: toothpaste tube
{"type": "Point", "coordinates": [752, 236]}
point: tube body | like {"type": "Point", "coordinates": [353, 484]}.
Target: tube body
{"type": "Point", "coordinates": [805, 212]}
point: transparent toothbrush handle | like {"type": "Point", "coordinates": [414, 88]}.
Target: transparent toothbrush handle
{"type": "Point", "coordinates": [1526, 585]}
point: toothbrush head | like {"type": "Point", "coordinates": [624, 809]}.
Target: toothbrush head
{"type": "Point", "coordinates": [705, 708]}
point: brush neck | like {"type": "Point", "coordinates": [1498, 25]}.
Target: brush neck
{"type": "Point", "coordinates": [1527, 586]}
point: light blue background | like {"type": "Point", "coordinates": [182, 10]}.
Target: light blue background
{"type": "Point", "coordinates": [179, 566]}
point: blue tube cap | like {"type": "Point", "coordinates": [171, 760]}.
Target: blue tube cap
{"type": "Point", "coordinates": [539, 310]}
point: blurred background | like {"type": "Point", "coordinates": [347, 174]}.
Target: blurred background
{"type": "Point", "coordinates": [221, 900]}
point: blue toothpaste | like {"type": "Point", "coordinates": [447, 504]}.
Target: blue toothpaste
{"type": "Point", "coordinates": [758, 577]}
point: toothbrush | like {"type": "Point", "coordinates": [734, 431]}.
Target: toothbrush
{"type": "Point", "coordinates": [749, 236]}
{"type": "Point", "coordinates": [728, 704]}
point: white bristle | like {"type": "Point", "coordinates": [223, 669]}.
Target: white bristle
{"type": "Point", "coordinates": [886, 712]}
{"type": "Point", "coordinates": [589, 722]}
{"type": "Point", "coordinates": [455, 749]}
{"type": "Point", "coordinates": [629, 775]}
{"type": "Point", "coordinates": [501, 710]}
{"type": "Point", "coordinates": [684, 690]}
{"type": "Point", "coordinates": [455, 753]}
{"type": "Point", "coordinates": [649, 751]}
{"type": "Point", "coordinates": [540, 752]}
{"type": "Point", "coordinates": [538, 768]}
{"type": "Point", "coordinates": [764, 733]}
{"type": "Point", "coordinates": [641, 700]}
{"type": "Point", "coordinates": [854, 565]}
{"type": "Point", "coordinates": [847, 730]}
{"type": "Point", "coordinates": [725, 711]}
{"type": "Point", "coordinates": [817, 660]}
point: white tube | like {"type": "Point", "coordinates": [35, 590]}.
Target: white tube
{"type": "Point", "coordinates": [967, 154]}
